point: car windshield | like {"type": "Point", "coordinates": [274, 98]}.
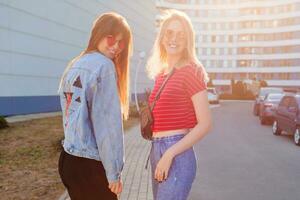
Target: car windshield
{"type": "Point", "coordinates": [275, 97]}
{"type": "Point", "coordinates": [265, 91]}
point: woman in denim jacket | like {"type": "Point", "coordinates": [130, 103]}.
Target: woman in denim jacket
{"type": "Point", "coordinates": [94, 99]}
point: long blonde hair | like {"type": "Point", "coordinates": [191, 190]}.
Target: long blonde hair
{"type": "Point", "coordinates": [111, 24]}
{"type": "Point", "coordinates": [157, 62]}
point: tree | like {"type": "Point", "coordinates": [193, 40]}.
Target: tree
{"type": "Point", "coordinates": [263, 83]}
{"type": "Point", "coordinates": [210, 83]}
{"type": "Point", "coordinates": [232, 83]}
{"type": "Point", "coordinates": [240, 88]}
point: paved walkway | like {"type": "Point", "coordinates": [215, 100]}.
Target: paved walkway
{"type": "Point", "coordinates": [136, 179]}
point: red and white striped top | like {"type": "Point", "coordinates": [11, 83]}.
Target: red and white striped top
{"type": "Point", "coordinates": [174, 109]}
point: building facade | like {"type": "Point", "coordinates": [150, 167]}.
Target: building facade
{"type": "Point", "coordinates": [38, 38]}
{"type": "Point", "coordinates": [246, 39]}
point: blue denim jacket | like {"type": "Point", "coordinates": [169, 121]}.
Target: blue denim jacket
{"type": "Point", "coordinates": [92, 116]}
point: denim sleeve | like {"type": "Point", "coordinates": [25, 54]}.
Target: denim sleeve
{"type": "Point", "coordinates": [106, 117]}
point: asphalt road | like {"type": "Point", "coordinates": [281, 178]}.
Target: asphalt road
{"type": "Point", "coordinates": [242, 160]}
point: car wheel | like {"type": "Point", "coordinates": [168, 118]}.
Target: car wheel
{"type": "Point", "coordinates": [275, 129]}
{"type": "Point", "coordinates": [297, 136]}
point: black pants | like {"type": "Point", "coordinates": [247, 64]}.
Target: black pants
{"type": "Point", "coordinates": [85, 179]}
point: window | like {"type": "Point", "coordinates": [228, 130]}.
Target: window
{"type": "Point", "coordinates": [199, 52]}
{"type": "Point", "coordinates": [233, 63]}
{"type": "Point", "coordinates": [229, 64]}
{"type": "Point", "coordinates": [221, 51]}
{"type": "Point", "coordinates": [200, 38]}
{"type": "Point", "coordinates": [225, 51]}
{"type": "Point", "coordinates": [213, 38]}
{"type": "Point", "coordinates": [293, 104]}
{"type": "Point", "coordinates": [285, 102]}
{"type": "Point", "coordinates": [234, 51]}
{"type": "Point", "coordinates": [225, 63]}
{"type": "Point", "coordinates": [221, 38]}
{"type": "Point", "coordinates": [208, 51]}
{"type": "Point", "coordinates": [213, 51]}
{"type": "Point", "coordinates": [208, 63]}
{"type": "Point", "coordinates": [214, 26]}
{"type": "Point", "coordinates": [208, 26]}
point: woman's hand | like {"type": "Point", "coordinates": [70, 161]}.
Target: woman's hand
{"type": "Point", "coordinates": [163, 166]}
{"type": "Point", "coordinates": [116, 187]}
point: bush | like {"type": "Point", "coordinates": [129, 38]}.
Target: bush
{"type": "Point", "coordinates": [263, 83]}
{"type": "Point", "coordinates": [210, 83]}
{"type": "Point", "coordinates": [133, 111]}
{"type": "Point", "coordinates": [239, 89]}
{"type": "Point", "coordinates": [249, 95]}
{"type": "Point", "coordinates": [3, 123]}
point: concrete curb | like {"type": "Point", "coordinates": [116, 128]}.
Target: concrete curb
{"type": "Point", "coordinates": [21, 118]}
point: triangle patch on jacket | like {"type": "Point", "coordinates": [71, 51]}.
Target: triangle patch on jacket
{"type": "Point", "coordinates": [68, 95]}
{"type": "Point", "coordinates": [77, 83]}
{"type": "Point", "coordinates": [78, 100]}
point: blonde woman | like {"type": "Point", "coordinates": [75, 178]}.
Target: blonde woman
{"type": "Point", "coordinates": [94, 97]}
{"type": "Point", "coordinates": [181, 114]}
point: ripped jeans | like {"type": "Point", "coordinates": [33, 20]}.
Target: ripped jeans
{"type": "Point", "coordinates": [181, 173]}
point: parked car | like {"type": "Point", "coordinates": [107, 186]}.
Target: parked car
{"type": "Point", "coordinates": [268, 107]}
{"type": "Point", "coordinates": [287, 117]}
{"type": "Point", "coordinates": [213, 96]}
{"type": "Point", "coordinates": [261, 95]}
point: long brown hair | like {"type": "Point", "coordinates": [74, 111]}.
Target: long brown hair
{"type": "Point", "coordinates": [111, 24]}
{"type": "Point", "coordinates": [158, 59]}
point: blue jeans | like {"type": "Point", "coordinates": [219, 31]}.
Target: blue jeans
{"type": "Point", "coordinates": [181, 173]}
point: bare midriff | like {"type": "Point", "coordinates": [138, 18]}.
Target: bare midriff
{"type": "Point", "coordinates": [159, 134]}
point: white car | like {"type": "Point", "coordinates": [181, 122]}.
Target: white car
{"type": "Point", "coordinates": [213, 96]}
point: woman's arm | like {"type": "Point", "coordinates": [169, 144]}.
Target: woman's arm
{"type": "Point", "coordinates": [204, 124]}
{"type": "Point", "coordinates": [201, 106]}
{"type": "Point", "coordinates": [106, 118]}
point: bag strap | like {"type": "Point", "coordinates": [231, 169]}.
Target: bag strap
{"type": "Point", "coordinates": [157, 96]}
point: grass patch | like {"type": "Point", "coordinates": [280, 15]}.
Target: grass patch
{"type": "Point", "coordinates": [28, 160]}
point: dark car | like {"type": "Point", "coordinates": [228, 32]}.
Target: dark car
{"type": "Point", "coordinates": [261, 95]}
{"type": "Point", "coordinates": [268, 107]}
{"type": "Point", "coordinates": [287, 117]}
